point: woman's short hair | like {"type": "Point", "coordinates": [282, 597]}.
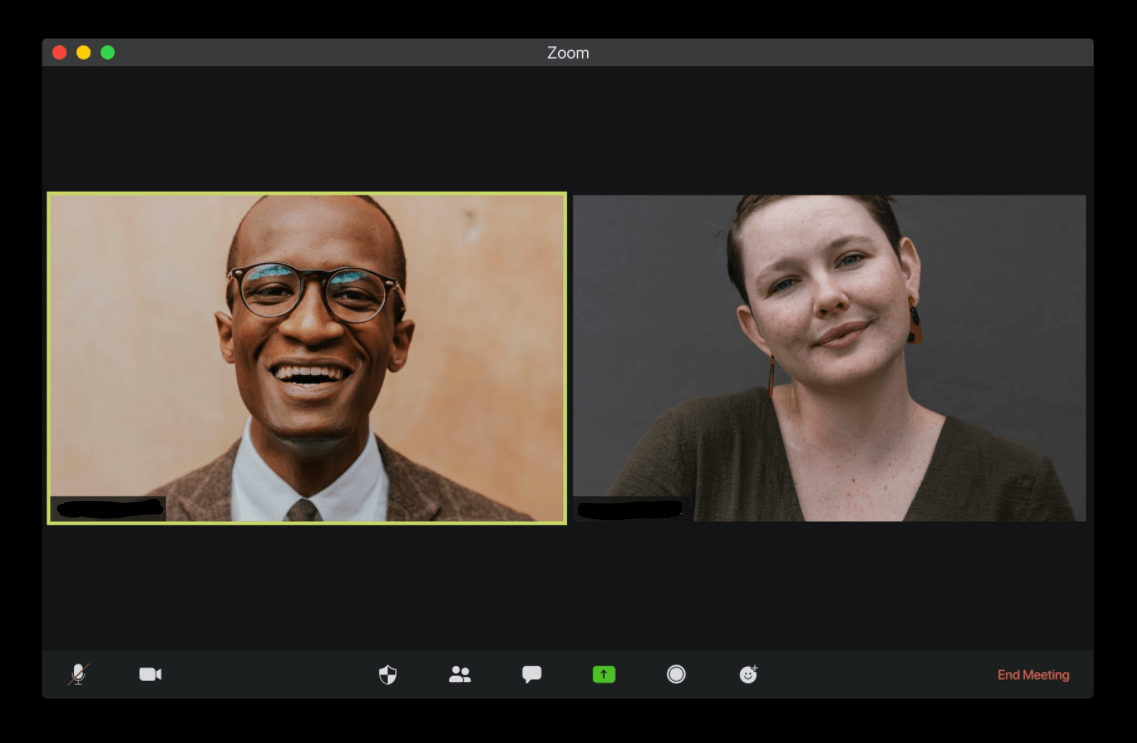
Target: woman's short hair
{"type": "Point", "coordinates": [878, 206]}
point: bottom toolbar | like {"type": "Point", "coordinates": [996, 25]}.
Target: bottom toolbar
{"type": "Point", "coordinates": [549, 673]}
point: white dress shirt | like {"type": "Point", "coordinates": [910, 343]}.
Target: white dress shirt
{"type": "Point", "coordinates": [359, 494]}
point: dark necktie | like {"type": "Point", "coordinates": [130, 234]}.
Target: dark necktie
{"type": "Point", "coordinates": [303, 510]}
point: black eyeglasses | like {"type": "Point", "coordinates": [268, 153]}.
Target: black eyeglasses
{"type": "Point", "coordinates": [350, 294]}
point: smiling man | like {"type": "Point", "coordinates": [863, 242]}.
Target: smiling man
{"type": "Point", "coordinates": [316, 288]}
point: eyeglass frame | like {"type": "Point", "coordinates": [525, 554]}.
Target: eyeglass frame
{"type": "Point", "coordinates": [241, 273]}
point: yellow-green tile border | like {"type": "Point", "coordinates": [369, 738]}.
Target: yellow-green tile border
{"type": "Point", "coordinates": [564, 355]}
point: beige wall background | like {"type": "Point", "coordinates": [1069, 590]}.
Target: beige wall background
{"type": "Point", "coordinates": [140, 394]}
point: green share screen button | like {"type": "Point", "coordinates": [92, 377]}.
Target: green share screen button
{"type": "Point", "coordinates": [604, 674]}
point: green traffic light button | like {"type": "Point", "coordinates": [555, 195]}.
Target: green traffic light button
{"type": "Point", "coordinates": [604, 674]}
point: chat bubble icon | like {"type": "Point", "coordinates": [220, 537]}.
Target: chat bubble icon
{"type": "Point", "coordinates": [531, 673]}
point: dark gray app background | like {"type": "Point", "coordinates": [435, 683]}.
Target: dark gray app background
{"type": "Point", "coordinates": [1002, 306]}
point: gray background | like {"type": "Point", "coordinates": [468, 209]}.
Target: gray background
{"type": "Point", "coordinates": [1002, 304]}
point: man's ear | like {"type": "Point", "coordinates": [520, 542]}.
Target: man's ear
{"type": "Point", "coordinates": [225, 333]}
{"type": "Point", "coordinates": [750, 328]}
{"type": "Point", "coordinates": [404, 331]}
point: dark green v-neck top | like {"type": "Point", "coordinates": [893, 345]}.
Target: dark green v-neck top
{"type": "Point", "coordinates": [727, 454]}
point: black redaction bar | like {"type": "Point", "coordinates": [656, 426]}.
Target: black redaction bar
{"type": "Point", "coordinates": [578, 52]}
{"type": "Point", "coordinates": [515, 674]}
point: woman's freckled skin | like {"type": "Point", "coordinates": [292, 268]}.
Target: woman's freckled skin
{"type": "Point", "coordinates": [823, 291]}
{"type": "Point", "coordinates": [816, 263]}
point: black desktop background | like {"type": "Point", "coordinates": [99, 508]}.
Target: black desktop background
{"type": "Point", "coordinates": [631, 586]}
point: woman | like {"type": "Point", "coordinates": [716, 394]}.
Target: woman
{"type": "Point", "coordinates": [830, 290]}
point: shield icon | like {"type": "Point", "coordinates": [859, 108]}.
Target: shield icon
{"type": "Point", "coordinates": [387, 675]}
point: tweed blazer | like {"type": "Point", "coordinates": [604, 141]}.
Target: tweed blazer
{"type": "Point", "coordinates": [414, 494]}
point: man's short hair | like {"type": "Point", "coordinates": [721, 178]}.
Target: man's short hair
{"type": "Point", "coordinates": [400, 256]}
{"type": "Point", "coordinates": [878, 207]}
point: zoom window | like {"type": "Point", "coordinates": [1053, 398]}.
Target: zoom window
{"type": "Point", "coordinates": [368, 373]}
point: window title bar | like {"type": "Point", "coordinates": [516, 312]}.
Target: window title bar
{"type": "Point", "coordinates": [96, 52]}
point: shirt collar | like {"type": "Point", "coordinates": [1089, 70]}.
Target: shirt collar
{"type": "Point", "coordinates": [359, 494]}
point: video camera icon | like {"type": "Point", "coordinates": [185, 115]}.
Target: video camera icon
{"type": "Point", "coordinates": [149, 674]}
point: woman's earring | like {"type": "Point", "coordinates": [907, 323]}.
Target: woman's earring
{"type": "Point", "coordinates": [915, 335]}
{"type": "Point", "coordinates": [771, 387]}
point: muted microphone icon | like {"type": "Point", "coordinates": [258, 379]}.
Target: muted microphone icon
{"type": "Point", "coordinates": [78, 674]}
